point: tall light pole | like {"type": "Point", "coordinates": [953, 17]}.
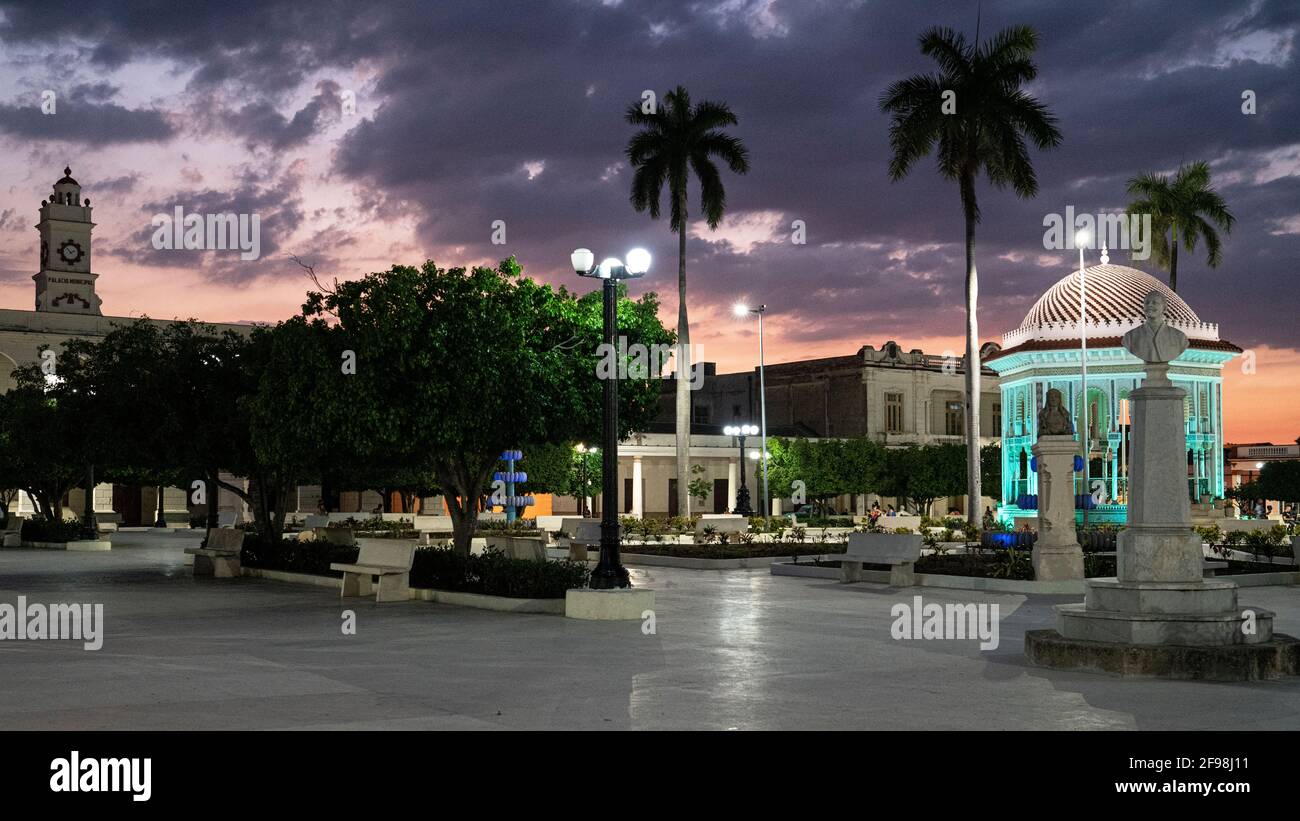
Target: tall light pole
{"type": "Point", "coordinates": [610, 572]}
{"type": "Point", "coordinates": [744, 310]}
{"type": "Point", "coordinates": [742, 495]}
{"type": "Point", "coordinates": [1079, 240]}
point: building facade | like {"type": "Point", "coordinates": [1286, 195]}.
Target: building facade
{"type": "Point", "coordinates": [892, 396]}
{"type": "Point", "coordinates": [67, 307]}
{"type": "Point", "coordinates": [1046, 352]}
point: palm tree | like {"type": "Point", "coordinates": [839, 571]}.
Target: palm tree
{"type": "Point", "coordinates": [677, 139]}
{"type": "Point", "coordinates": [981, 125]}
{"type": "Point", "coordinates": [1180, 208]}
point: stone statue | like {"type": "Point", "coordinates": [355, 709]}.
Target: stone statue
{"type": "Point", "coordinates": [1155, 340]}
{"type": "Point", "coordinates": [1054, 419]}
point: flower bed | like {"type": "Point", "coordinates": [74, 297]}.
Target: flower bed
{"type": "Point", "coordinates": [440, 568]}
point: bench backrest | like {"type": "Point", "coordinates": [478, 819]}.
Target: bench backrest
{"type": "Point", "coordinates": [225, 538]}
{"type": "Point", "coordinates": [722, 523]}
{"type": "Point", "coordinates": [341, 536]}
{"type": "Point", "coordinates": [13, 525]}
{"type": "Point", "coordinates": [519, 547]}
{"type": "Point", "coordinates": [387, 553]}
{"type": "Point", "coordinates": [884, 548]}
{"type": "Point", "coordinates": [582, 530]}
{"type": "Point", "coordinates": [316, 520]}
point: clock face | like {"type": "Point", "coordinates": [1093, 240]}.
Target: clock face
{"type": "Point", "coordinates": [71, 252]}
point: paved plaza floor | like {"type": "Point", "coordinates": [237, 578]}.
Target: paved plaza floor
{"type": "Point", "coordinates": [732, 650]}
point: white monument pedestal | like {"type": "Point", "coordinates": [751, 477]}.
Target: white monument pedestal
{"type": "Point", "coordinates": [1057, 555]}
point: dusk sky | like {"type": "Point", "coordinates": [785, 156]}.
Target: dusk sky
{"type": "Point", "coordinates": [472, 112]}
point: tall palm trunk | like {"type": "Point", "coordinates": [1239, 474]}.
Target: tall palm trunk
{"type": "Point", "coordinates": [683, 370]}
{"type": "Point", "coordinates": [1173, 258]}
{"type": "Point", "coordinates": [973, 490]}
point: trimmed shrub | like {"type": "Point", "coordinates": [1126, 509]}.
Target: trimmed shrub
{"type": "Point", "coordinates": [495, 574]}
{"type": "Point", "coordinates": [41, 530]}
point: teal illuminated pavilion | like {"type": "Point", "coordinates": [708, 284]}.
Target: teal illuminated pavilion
{"type": "Point", "coordinates": [1044, 353]}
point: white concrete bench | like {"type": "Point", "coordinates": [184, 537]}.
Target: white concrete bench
{"type": "Point", "coordinates": [390, 562]}
{"type": "Point", "coordinates": [899, 551]}
{"type": "Point", "coordinates": [722, 523]}
{"type": "Point", "coordinates": [337, 536]}
{"type": "Point", "coordinates": [11, 535]}
{"type": "Point", "coordinates": [532, 548]}
{"type": "Point", "coordinates": [220, 557]}
{"type": "Point", "coordinates": [584, 535]}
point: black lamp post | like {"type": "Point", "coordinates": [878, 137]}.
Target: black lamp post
{"type": "Point", "coordinates": [742, 496]}
{"type": "Point", "coordinates": [610, 572]}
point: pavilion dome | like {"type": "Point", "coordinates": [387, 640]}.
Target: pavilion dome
{"type": "Point", "coordinates": [1113, 307]}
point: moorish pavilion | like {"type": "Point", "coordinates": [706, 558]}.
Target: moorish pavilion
{"type": "Point", "coordinates": [1045, 352]}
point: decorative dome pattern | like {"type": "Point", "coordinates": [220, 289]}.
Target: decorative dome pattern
{"type": "Point", "coordinates": [1114, 306]}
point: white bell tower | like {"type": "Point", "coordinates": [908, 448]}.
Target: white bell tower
{"type": "Point", "coordinates": [65, 283]}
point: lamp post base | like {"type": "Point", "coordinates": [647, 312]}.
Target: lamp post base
{"type": "Point", "coordinates": [743, 507]}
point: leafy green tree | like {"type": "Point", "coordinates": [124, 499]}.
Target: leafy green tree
{"type": "Point", "coordinates": [1185, 208]}
{"type": "Point", "coordinates": [454, 366]}
{"type": "Point", "coordinates": [991, 468]}
{"type": "Point", "coordinates": [1280, 481]}
{"type": "Point", "coordinates": [678, 139]}
{"type": "Point", "coordinates": [700, 485]}
{"type": "Point", "coordinates": [39, 455]}
{"type": "Point", "coordinates": [826, 467]}
{"type": "Point", "coordinates": [922, 474]}
{"type": "Point", "coordinates": [976, 112]}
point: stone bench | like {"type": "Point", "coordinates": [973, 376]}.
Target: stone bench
{"type": "Point", "coordinates": [11, 534]}
{"type": "Point", "coordinates": [337, 536]}
{"type": "Point", "coordinates": [532, 548]}
{"type": "Point", "coordinates": [722, 523]}
{"type": "Point", "coordinates": [584, 535]}
{"type": "Point", "coordinates": [1211, 569]}
{"type": "Point", "coordinates": [391, 563]}
{"type": "Point", "coordinates": [899, 551]}
{"type": "Point", "coordinates": [220, 556]}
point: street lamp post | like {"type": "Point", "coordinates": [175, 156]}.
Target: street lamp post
{"type": "Point", "coordinates": [1080, 239]}
{"type": "Point", "coordinates": [609, 572]}
{"type": "Point", "coordinates": [744, 310]}
{"type": "Point", "coordinates": [742, 495]}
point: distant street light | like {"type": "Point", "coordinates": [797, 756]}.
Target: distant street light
{"type": "Point", "coordinates": [741, 309]}
{"type": "Point", "coordinates": [742, 496]}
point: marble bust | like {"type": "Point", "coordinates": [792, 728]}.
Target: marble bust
{"type": "Point", "coordinates": [1054, 419]}
{"type": "Point", "coordinates": [1155, 340]}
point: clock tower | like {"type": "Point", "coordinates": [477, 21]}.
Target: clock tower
{"type": "Point", "coordinates": [65, 283]}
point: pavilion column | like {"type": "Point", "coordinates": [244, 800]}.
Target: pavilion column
{"type": "Point", "coordinates": [732, 483]}
{"type": "Point", "coordinates": [637, 501]}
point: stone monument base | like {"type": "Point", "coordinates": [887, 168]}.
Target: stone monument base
{"type": "Point", "coordinates": [1184, 630]}
{"type": "Point", "coordinates": [1280, 656]}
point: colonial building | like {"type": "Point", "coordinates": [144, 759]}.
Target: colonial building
{"type": "Point", "coordinates": [1046, 352]}
{"type": "Point", "coordinates": [67, 307]}
{"type": "Point", "coordinates": [893, 396]}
